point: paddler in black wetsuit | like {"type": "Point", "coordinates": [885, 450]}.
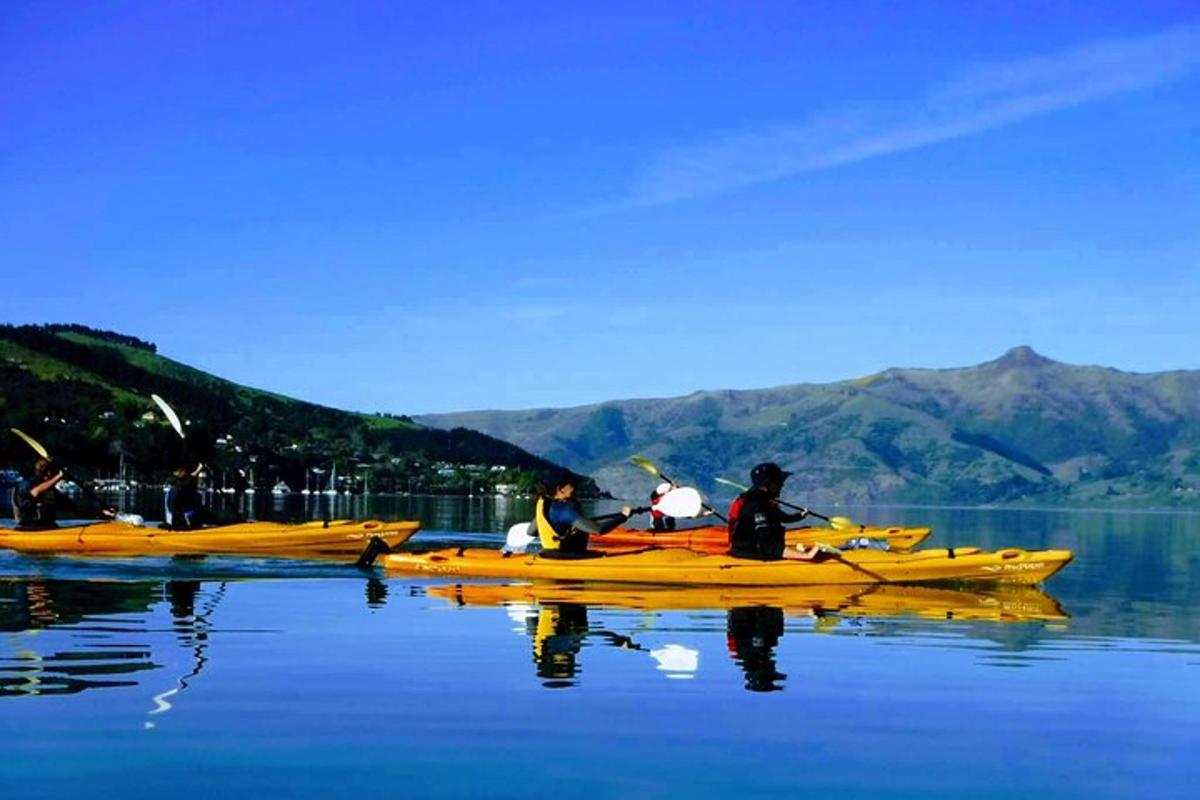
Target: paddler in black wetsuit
{"type": "Point", "coordinates": [756, 523]}
{"type": "Point", "coordinates": [562, 526]}
{"type": "Point", "coordinates": [184, 508]}
{"type": "Point", "coordinates": [37, 501]}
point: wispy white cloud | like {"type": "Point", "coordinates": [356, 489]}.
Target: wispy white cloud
{"type": "Point", "coordinates": [980, 99]}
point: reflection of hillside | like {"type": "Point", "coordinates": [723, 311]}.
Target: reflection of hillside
{"type": "Point", "coordinates": [30, 604]}
{"type": "Point", "coordinates": [65, 636]}
{"type": "Point", "coordinates": [103, 652]}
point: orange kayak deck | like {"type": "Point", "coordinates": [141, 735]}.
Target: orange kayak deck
{"type": "Point", "coordinates": [714, 539]}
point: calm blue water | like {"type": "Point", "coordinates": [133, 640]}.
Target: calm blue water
{"type": "Point", "coordinates": [200, 678]}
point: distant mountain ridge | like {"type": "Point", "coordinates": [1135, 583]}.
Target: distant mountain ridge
{"type": "Point", "coordinates": [1022, 428]}
{"type": "Point", "coordinates": [85, 394]}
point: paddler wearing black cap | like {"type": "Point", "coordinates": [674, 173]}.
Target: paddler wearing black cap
{"type": "Point", "coordinates": [756, 521]}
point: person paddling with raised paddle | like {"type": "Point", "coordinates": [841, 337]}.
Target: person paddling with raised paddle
{"type": "Point", "coordinates": [756, 522]}
{"type": "Point", "coordinates": [36, 501]}
{"type": "Point", "coordinates": [183, 506]}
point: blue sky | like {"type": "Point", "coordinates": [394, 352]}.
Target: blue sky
{"type": "Point", "coordinates": [420, 207]}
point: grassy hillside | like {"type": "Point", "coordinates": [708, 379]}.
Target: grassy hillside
{"type": "Point", "coordinates": [85, 395]}
{"type": "Point", "coordinates": [1020, 429]}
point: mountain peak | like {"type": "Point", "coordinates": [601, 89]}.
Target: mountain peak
{"type": "Point", "coordinates": [1022, 356]}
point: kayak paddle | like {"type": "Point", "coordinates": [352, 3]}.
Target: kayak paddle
{"type": "Point", "coordinates": [649, 466]}
{"type": "Point", "coordinates": [32, 442]}
{"type": "Point", "coordinates": [170, 414]}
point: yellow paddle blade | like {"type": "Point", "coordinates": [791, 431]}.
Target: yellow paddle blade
{"type": "Point", "coordinates": [646, 465]}
{"type": "Point", "coordinates": [844, 524]}
{"type": "Point", "coordinates": [734, 484]}
{"type": "Point", "coordinates": [170, 414]}
{"type": "Point", "coordinates": [32, 442]}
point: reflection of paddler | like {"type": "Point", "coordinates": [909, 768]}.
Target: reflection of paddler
{"type": "Point", "coordinates": [753, 633]}
{"type": "Point", "coordinates": [192, 627]}
{"type": "Point", "coordinates": [182, 597]}
{"type": "Point", "coordinates": [558, 635]}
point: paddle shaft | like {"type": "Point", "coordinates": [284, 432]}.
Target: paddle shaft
{"type": "Point", "coordinates": [852, 565]}
{"type": "Point", "coordinates": [615, 514]}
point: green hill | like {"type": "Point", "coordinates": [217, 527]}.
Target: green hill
{"type": "Point", "coordinates": [85, 395]}
{"type": "Point", "coordinates": [1020, 429]}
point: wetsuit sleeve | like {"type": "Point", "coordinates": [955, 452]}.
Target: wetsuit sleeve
{"type": "Point", "coordinates": [608, 525]}
{"type": "Point", "coordinates": [587, 525]}
{"type": "Point", "coordinates": [793, 517]}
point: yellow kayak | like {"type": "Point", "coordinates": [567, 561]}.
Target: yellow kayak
{"type": "Point", "coordinates": [677, 566]}
{"type": "Point", "coordinates": [992, 602]}
{"type": "Point", "coordinates": [337, 538]}
{"type": "Point", "coordinates": [713, 539]}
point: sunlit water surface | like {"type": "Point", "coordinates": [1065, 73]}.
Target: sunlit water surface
{"type": "Point", "coordinates": [197, 678]}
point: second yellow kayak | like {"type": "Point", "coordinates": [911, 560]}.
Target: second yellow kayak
{"type": "Point", "coordinates": [675, 566]}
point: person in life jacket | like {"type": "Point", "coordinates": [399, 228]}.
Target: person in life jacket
{"type": "Point", "coordinates": [756, 523]}
{"type": "Point", "coordinates": [36, 501]}
{"type": "Point", "coordinates": [184, 509]}
{"type": "Point", "coordinates": [562, 527]}
{"type": "Point", "coordinates": [658, 520]}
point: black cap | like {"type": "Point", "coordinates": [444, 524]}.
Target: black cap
{"type": "Point", "coordinates": [766, 473]}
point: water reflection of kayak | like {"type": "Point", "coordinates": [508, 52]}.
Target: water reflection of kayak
{"type": "Point", "coordinates": [676, 566]}
{"type": "Point", "coordinates": [338, 538]}
{"type": "Point", "coordinates": [716, 539]}
{"type": "Point", "coordinates": [999, 603]}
